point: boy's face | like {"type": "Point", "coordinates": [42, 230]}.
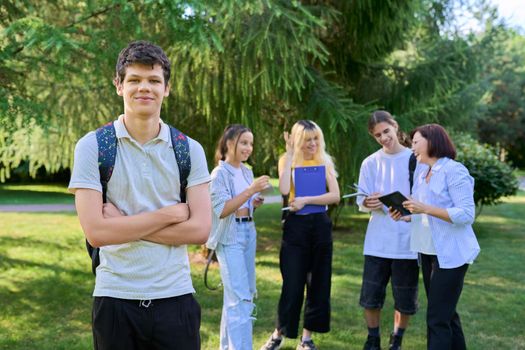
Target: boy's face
{"type": "Point", "coordinates": [143, 90]}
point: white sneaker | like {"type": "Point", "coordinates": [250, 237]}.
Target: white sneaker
{"type": "Point", "coordinates": [273, 343]}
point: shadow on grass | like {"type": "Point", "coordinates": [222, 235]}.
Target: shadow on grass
{"type": "Point", "coordinates": [19, 196]}
{"type": "Point", "coordinates": [46, 297]}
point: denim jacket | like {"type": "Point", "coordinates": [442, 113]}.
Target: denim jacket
{"type": "Point", "coordinates": [451, 187]}
{"type": "Point", "coordinates": [222, 189]}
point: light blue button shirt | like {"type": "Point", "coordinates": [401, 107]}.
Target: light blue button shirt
{"type": "Point", "coordinates": [451, 187]}
{"type": "Point", "coordinates": [222, 189]}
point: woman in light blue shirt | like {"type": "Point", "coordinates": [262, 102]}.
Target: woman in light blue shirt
{"type": "Point", "coordinates": [443, 211]}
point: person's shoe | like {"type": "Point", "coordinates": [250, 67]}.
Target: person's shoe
{"type": "Point", "coordinates": [273, 343]}
{"type": "Point", "coordinates": [372, 343]}
{"type": "Point", "coordinates": [306, 345]}
{"type": "Point", "coordinates": [395, 342]}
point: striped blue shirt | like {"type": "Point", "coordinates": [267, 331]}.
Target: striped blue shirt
{"type": "Point", "coordinates": [451, 187]}
{"type": "Point", "coordinates": [222, 189]}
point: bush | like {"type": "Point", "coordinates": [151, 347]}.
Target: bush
{"type": "Point", "coordinates": [494, 178]}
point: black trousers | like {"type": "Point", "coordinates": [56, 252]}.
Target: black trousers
{"type": "Point", "coordinates": [305, 260]}
{"type": "Point", "coordinates": [443, 288]}
{"type": "Point", "coordinates": [160, 324]}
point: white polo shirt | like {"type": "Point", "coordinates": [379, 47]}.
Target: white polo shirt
{"type": "Point", "coordinates": [145, 178]}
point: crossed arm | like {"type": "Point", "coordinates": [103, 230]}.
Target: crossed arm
{"type": "Point", "coordinates": [172, 225]}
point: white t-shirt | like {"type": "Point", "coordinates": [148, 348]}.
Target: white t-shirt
{"type": "Point", "coordinates": [240, 183]}
{"type": "Point", "coordinates": [386, 173]}
{"type": "Point", "coordinates": [421, 234]}
{"type": "Point", "coordinates": [145, 178]}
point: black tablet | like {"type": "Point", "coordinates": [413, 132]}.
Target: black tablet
{"type": "Point", "coordinates": [395, 200]}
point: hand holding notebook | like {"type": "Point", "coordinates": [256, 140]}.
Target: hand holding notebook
{"type": "Point", "coordinates": [310, 181]}
{"type": "Point", "coordinates": [395, 201]}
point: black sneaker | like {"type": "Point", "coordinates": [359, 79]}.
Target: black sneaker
{"type": "Point", "coordinates": [372, 343]}
{"type": "Point", "coordinates": [273, 343]}
{"type": "Point", "coordinates": [306, 345]}
{"type": "Point", "coordinates": [395, 342]}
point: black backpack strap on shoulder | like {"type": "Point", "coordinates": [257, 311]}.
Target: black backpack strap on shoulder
{"type": "Point", "coordinates": [181, 147]}
{"type": "Point", "coordinates": [412, 163]}
{"type": "Point", "coordinates": [107, 154]}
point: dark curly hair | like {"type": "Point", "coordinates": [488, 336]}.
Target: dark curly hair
{"type": "Point", "coordinates": [142, 52]}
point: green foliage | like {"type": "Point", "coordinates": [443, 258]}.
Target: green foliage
{"type": "Point", "coordinates": [494, 179]}
{"type": "Point", "coordinates": [502, 120]}
{"type": "Point", "coordinates": [265, 63]}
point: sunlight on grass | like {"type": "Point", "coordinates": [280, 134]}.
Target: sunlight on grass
{"type": "Point", "coordinates": [46, 284]}
{"type": "Point", "coordinates": [36, 188]}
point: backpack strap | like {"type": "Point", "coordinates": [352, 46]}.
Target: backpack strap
{"type": "Point", "coordinates": [107, 154]}
{"type": "Point", "coordinates": [412, 163]}
{"type": "Point", "coordinates": [181, 147]}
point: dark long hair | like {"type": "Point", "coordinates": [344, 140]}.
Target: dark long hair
{"type": "Point", "coordinates": [231, 132]}
{"type": "Point", "coordinates": [381, 116]}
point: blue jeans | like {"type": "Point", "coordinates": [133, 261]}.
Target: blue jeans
{"type": "Point", "coordinates": [237, 264]}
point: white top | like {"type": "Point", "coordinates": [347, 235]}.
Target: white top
{"type": "Point", "coordinates": [240, 183]}
{"type": "Point", "coordinates": [385, 173]}
{"type": "Point", "coordinates": [145, 178]}
{"type": "Point", "coordinates": [451, 187]}
{"type": "Point", "coordinates": [421, 234]}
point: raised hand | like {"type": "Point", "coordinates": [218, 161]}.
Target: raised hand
{"type": "Point", "coordinates": [289, 144]}
{"type": "Point", "coordinates": [259, 184]}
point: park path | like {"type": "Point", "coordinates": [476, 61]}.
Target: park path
{"type": "Point", "coordinates": [37, 207]}
{"type": "Point", "coordinates": [71, 207]}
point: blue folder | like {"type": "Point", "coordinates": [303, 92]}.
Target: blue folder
{"type": "Point", "coordinates": [310, 181]}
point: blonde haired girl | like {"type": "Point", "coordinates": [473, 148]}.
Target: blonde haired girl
{"type": "Point", "coordinates": [306, 249]}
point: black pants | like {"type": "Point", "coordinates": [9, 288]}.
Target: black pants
{"type": "Point", "coordinates": [443, 288]}
{"type": "Point", "coordinates": [167, 324]}
{"type": "Point", "coordinates": [305, 260]}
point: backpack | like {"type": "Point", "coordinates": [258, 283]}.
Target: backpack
{"type": "Point", "coordinates": [107, 153]}
{"type": "Point", "coordinates": [412, 163]}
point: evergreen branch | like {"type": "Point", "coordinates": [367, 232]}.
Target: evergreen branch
{"type": "Point", "coordinates": [94, 14]}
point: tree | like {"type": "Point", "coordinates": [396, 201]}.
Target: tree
{"type": "Point", "coordinates": [493, 179]}
{"type": "Point", "coordinates": [502, 121]}
{"type": "Point", "coordinates": [264, 63]}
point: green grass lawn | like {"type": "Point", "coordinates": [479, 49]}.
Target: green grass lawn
{"type": "Point", "coordinates": [35, 194]}
{"type": "Point", "coordinates": [46, 283]}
